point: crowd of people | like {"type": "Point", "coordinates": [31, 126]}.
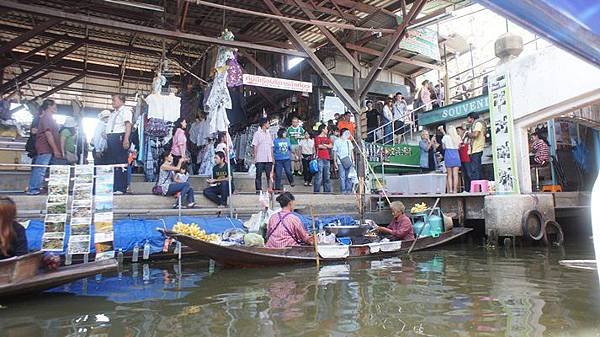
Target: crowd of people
{"type": "Point", "coordinates": [459, 148]}
{"type": "Point", "coordinates": [329, 148]}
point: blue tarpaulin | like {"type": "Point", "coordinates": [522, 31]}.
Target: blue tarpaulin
{"type": "Point", "coordinates": [131, 232]}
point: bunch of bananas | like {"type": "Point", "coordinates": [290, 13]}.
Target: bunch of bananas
{"type": "Point", "coordinates": [419, 208]}
{"type": "Point", "coordinates": [194, 231]}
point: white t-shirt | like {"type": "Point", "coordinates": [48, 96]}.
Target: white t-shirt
{"type": "Point", "coordinates": [163, 107]}
{"type": "Point", "coordinates": [307, 146]}
{"type": "Point", "coordinates": [449, 143]}
{"type": "Point", "coordinates": [116, 121]}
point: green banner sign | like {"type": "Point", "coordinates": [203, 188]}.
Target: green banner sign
{"type": "Point", "coordinates": [454, 111]}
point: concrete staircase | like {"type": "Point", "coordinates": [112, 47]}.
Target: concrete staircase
{"type": "Point", "coordinates": [152, 206]}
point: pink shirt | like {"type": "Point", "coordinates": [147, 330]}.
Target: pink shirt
{"type": "Point", "coordinates": [402, 228]}
{"type": "Point", "coordinates": [263, 143]}
{"type": "Point", "coordinates": [287, 232]}
{"type": "Point", "coordinates": [178, 140]}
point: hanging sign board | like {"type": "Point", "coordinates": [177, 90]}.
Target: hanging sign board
{"type": "Point", "coordinates": [455, 111]}
{"type": "Point", "coordinates": [277, 83]}
{"type": "Point", "coordinates": [423, 41]}
{"type": "Point", "coordinates": [503, 147]}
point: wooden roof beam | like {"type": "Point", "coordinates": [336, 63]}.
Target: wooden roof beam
{"type": "Point", "coordinates": [317, 65]}
{"type": "Point", "coordinates": [391, 48]}
{"type": "Point", "coordinates": [373, 52]}
{"type": "Point", "coordinates": [27, 55]}
{"type": "Point", "coordinates": [19, 40]}
{"type": "Point", "coordinates": [114, 24]}
{"type": "Point", "coordinates": [331, 38]}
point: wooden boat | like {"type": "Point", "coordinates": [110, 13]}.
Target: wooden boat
{"type": "Point", "coordinates": [238, 256]}
{"type": "Point", "coordinates": [22, 275]}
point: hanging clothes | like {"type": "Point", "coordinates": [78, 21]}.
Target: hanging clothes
{"type": "Point", "coordinates": [234, 72]}
{"type": "Point", "coordinates": [237, 113]}
{"type": "Point", "coordinates": [165, 107]}
{"type": "Point", "coordinates": [218, 101]}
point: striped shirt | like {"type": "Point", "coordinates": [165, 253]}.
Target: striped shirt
{"type": "Point", "coordinates": [541, 151]}
{"type": "Point", "coordinates": [285, 230]}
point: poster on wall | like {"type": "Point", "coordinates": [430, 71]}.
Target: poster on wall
{"type": "Point", "coordinates": [81, 210]}
{"type": "Point", "coordinates": [103, 213]}
{"type": "Point", "coordinates": [56, 209]}
{"type": "Point", "coordinates": [501, 119]}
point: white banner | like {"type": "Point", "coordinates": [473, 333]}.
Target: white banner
{"type": "Point", "coordinates": [277, 83]}
{"type": "Point", "coordinates": [422, 41]}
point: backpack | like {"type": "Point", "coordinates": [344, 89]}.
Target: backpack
{"type": "Point", "coordinates": [30, 147]}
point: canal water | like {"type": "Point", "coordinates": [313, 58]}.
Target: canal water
{"type": "Point", "coordinates": [464, 290]}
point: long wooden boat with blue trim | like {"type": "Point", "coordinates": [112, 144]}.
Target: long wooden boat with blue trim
{"type": "Point", "coordinates": [23, 274]}
{"type": "Point", "coordinates": [240, 256]}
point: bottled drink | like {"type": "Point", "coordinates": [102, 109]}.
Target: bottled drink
{"type": "Point", "coordinates": [136, 253]}
{"type": "Point", "coordinates": [146, 250]}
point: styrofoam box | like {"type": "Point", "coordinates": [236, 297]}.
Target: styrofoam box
{"type": "Point", "coordinates": [430, 183]}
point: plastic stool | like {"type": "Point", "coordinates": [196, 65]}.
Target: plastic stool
{"type": "Point", "coordinates": [479, 186]}
{"type": "Point", "coordinates": [551, 188]}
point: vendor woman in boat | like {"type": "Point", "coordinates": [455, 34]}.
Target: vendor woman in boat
{"type": "Point", "coordinates": [13, 241]}
{"type": "Point", "coordinates": [401, 227]}
{"type": "Point", "coordinates": [285, 229]}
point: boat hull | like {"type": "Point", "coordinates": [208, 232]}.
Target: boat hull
{"type": "Point", "coordinates": [51, 279]}
{"type": "Point", "coordinates": [239, 256]}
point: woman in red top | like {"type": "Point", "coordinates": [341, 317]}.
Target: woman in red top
{"type": "Point", "coordinates": [323, 145]}
{"type": "Point", "coordinates": [465, 160]}
{"type": "Point", "coordinates": [284, 228]}
{"type": "Point", "coordinates": [401, 227]}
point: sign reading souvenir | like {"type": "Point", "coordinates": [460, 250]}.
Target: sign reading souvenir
{"type": "Point", "coordinates": [277, 83]}
{"type": "Point", "coordinates": [56, 209]}
{"type": "Point", "coordinates": [103, 213]}
{"type": "Point", "coordinates": [501, 119]}
{"type": "Point", "coordinates": [455, 111]}
{"type": "Point", "coordinates": [81, 210]}
{"type": "Point", "coordinates": [423, 41]}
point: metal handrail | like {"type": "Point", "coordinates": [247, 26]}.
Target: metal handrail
{"type": "Point", "coordinates": [391, 123]}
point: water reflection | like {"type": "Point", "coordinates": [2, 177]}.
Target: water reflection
{"type": "Point", "coordinates": [460, 292]}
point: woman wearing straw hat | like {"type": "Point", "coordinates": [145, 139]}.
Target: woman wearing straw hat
{"type": "Point", "coordinates": [99, 140]}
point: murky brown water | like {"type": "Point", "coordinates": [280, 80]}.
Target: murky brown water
{"type": "Point", "coordinates": [460, 291]}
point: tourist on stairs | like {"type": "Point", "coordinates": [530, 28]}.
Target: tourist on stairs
{"type": "Point", "coordinates": [323, 144]}
{"type": "Point", "coordinates": [401, 227]}
{"type": "Point", "coordinates": [450, 142]}
{"type": "Point", "coordinates": [47, 146]}
{"type": "Point", "coordinates": [118, 130]}
{"type": "Point", "coordinates": [284, 228]}
{"type": "Point", "coordinates": [218, 192]}
{"type": "Point", "coordinates": [281, 152]}
{"type": "Point", "coordinates": [307, 146]}
{"type": "Point", "coordinates": [13, 241]}
{"type": "Point", "coordinates": [178, 149]}
{"type": "Point", "coordinates": [166, 180]}
{"type": "Point", "coordinates": [477, 136]}
{"type": "Point", "coordinates": [344, 160]}
{"type": "Point", "coordinates": [262, 144]}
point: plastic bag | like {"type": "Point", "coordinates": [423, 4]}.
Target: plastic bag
{"type": "Point", "coordinates": [353, 176]}
{"type": "Point", "coordinates": [253, 240]}
{"type": "Point", "coordinates": [324, 239]}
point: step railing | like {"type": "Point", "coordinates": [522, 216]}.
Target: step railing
{"type": "Point", "coordinates": [389, 137]}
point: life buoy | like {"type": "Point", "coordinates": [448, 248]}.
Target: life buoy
{"type": "Point", "coordinates": [528, 217]}
{"type": "Point", "coordinates": [560, 236]}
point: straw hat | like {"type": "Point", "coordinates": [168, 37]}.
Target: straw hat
{"type": "Point", "coordinates": [104, 114]}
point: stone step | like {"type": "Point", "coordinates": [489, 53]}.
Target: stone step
{"type": "Point", "coordinates": [14, 181]}
{"type": "Point", "coordinates": [148, 204]}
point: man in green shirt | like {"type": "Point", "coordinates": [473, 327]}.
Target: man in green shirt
{"type": "Point", "coordinates": [295, 133]}
{"type": "Point", "coordinates": [218, 192]}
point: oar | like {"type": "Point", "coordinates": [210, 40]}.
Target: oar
{"type": "Point", "coordinates": [312, 215]}
{"type": "Point", "coordinates": [422, 228]}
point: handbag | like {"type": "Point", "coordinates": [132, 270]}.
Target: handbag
{"type": "Point", "coordinates": [313, 166]}
{"type": "Point", "coordinates": [347, 161]}
{"type": "Point", "coordinates": [157, 189]}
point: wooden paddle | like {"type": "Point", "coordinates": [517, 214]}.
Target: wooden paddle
{"type": "Point", "coordinates": [422, 228]}
{"type": "Point", "coordinates": [312, 216]}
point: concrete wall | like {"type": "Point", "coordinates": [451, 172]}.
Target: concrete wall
{"type": "Point", "coordinates": [545, 84]}
{"type": "Point", "coordinates": [504, 213]}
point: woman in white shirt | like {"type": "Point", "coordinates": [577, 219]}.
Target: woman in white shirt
{"type": "Point", "coordinates": [307, 146]}
{"type": "Point", "coordinates": [451, 142]}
